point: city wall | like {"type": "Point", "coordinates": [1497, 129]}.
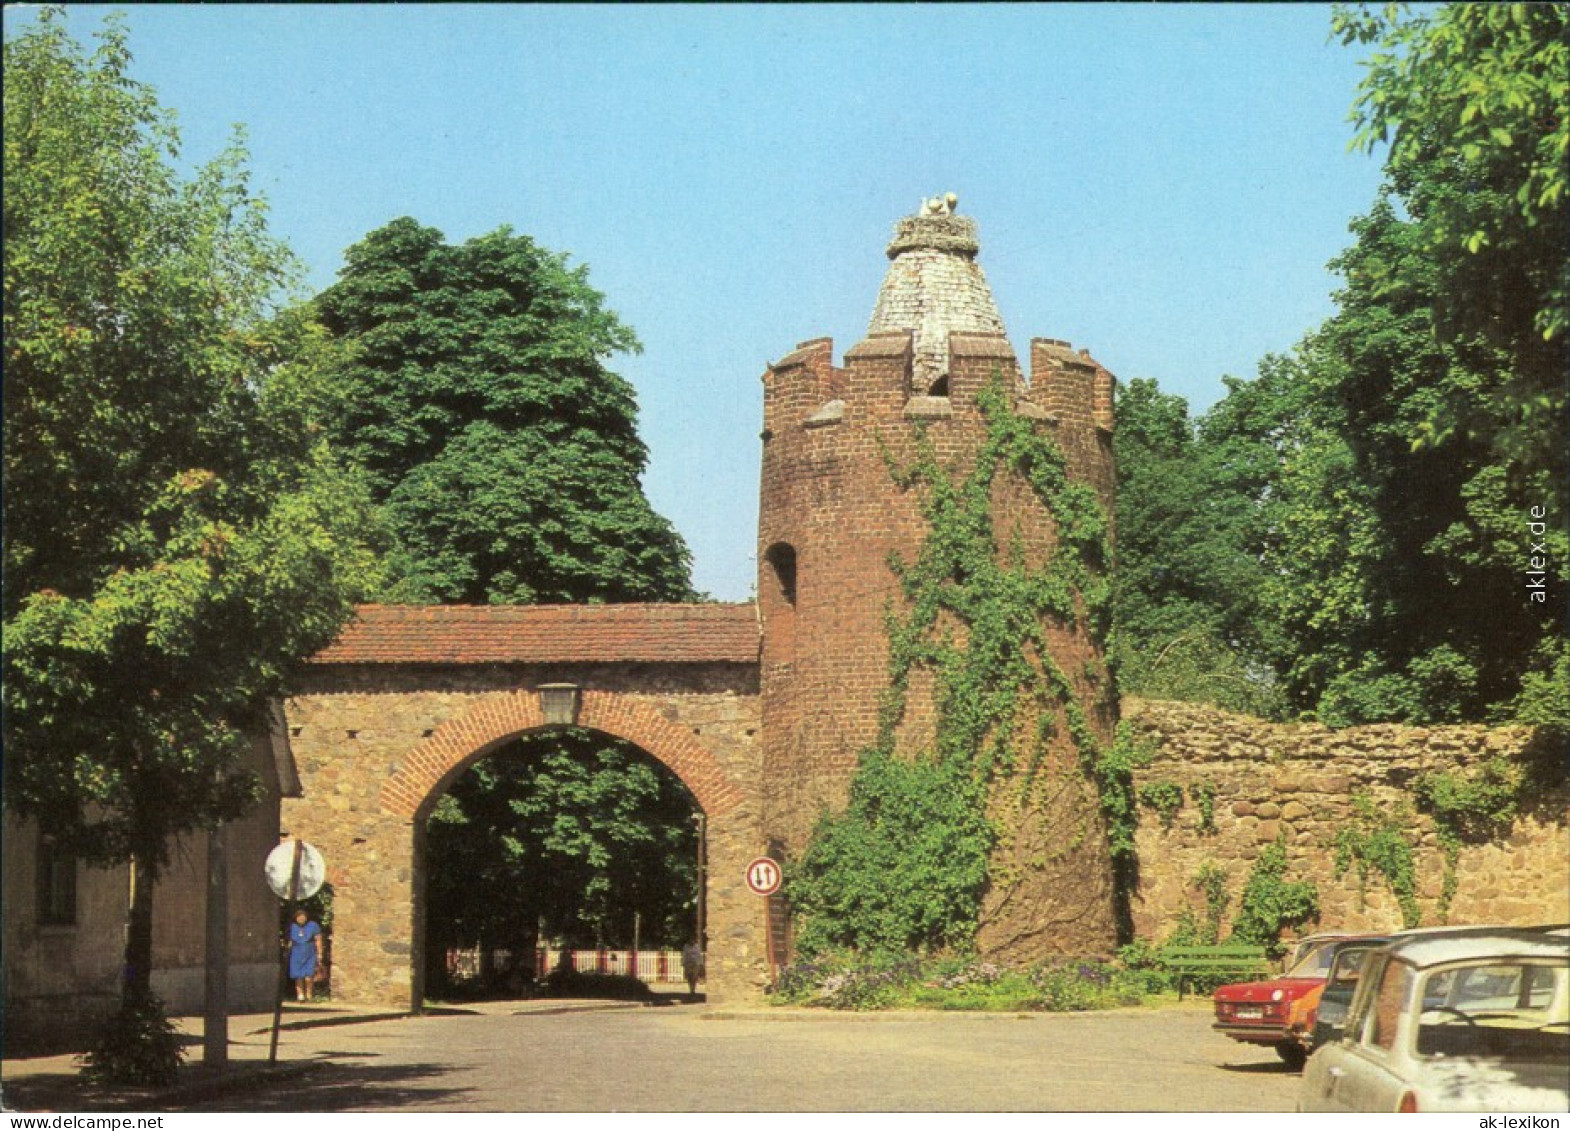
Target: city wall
{"type": "Point", "coordinates": [1296, 782]}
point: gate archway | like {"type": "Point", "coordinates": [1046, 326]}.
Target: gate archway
{"type": "Point", "coordinates": [390, 716]}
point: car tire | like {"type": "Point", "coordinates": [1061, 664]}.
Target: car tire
{"type": "Point", "coordinates": [1292, 1054]}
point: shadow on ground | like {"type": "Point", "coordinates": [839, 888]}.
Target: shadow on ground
{"type": "Point", "coordinates": [341, 1087]}
{"type": "Point", "coordinates": [1261, 1068]}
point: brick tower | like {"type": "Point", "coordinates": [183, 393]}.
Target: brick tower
{"type": "Point", "coordinates": [830, 517]}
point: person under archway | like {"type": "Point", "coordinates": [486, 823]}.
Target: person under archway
{"type": "Point", "coordinates": [692, 966]}
{"type": "Point", "coordinates": [305, 954]}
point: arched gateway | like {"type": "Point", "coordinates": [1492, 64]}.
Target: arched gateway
{"type": "Point", "coordinates": [410, 697]}
{"type": "Point", "coordinates": [763, 710]}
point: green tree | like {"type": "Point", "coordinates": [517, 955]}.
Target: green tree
{"type": "Point", "coordinates": [505, 459]}
{"type": "Point", "coordinates": [177, 531]}
{"type": "Point", "coordinates": [504, 454]}
{"type": "Point", "coordinates": [1413, 451]}
{"type": "Point", "coordinates": [591, 833]}
{"type": "Point", "coordinates": [1471, 100]}
{"type": "Point", "coordinates": [1190, 527]}
{"type": "Point", "coordinates": [1451, 627]}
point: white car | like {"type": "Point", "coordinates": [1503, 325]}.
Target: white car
{"type": "Point", "coordinates": [1453, 1021]}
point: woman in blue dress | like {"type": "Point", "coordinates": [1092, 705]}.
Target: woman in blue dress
{"type": "Point", "coordinates": [305, 953]}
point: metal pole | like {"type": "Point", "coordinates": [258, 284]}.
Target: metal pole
{"type": "Point", "coordinates": [703, 880]}
{"type": "Point", "coordinates": [215, 1020]}
{"type": "Point", "coordinates": [294, 892]}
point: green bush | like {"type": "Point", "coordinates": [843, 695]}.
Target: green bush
{"type": "Point", "coordinates": [1165, 797]}
{"type": "Point", "coordinates": [961, 984]}
{"type": "Point", "coordinates": [138, 1046]}
{"type": "Point", "coordinates": [1271, 903]}
{"type": "Point", "coordinates": [571, 983]}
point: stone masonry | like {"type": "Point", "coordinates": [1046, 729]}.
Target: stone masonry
{"type": "Point", "coordinates": [831, 517]}
{"type": "Point", "coordinates": [934, 288]}
{"type": "Point", "coordinates": [1296, 781]}
{"type": "Point", "coordinates": [387, 718]}
{"type": "Point", "coordinates": [762, 710]}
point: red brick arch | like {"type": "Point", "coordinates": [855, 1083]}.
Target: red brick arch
{"type": "Point", "coordinates": [461, 740]}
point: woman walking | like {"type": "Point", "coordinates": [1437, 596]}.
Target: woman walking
{"type": "Point", "coordinates": [305, 954]}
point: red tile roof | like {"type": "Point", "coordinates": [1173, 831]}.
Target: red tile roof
{"type": "Point", "coordinates": [546, 634]}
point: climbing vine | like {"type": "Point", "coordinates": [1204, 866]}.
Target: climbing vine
{"type": "Point", "coordinates": [1376, 842]}
{"type": "Point", "coordinates": [1203, 795]}
{"type": "Point", "coordinates": [1211, 879]}
{"type": "Point", "coordinates": [905, 865]}
{"type": "Point", "coordinates": [1468, 808]}
{"type": "Point", "coordinates": [1270, 902]}
{"type": "Point", "coordinates": [1165, 797]}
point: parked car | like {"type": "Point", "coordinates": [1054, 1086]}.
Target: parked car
{"type": "Point", "coordinates": [1461, 1021]}
{"type": "Point", "coordinates": [1302, 946]}
{"type": "Point", "coordinates": [1279, 1012]}
{"type": "Point", "coordinates": [1341, 982]}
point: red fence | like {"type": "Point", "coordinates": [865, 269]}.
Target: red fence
{"type": "Point", "coordinates": [649, 965]}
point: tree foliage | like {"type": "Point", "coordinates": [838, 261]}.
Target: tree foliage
{"type": "Point", "coordinates": [573, 833]}
{"type": "Point", "coordinates": [178, 533]}
{"type": "Point", "coordinates": [1400, 477]}
{"type": "Point", "coordinates": [1189, 582]}
{"type": "Point", "coordinates": [504, 454]}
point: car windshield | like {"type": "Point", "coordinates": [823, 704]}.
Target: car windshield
{"type": "Point", "coordinates": [1512, 1009]}
{"type": "Point", "coordinates": [1315, 963]}
{"type": "Point", "coordinates": [1348, 967]}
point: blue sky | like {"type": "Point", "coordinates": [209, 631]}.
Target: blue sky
{"type": "Point", "coordinates": [1161, 184]}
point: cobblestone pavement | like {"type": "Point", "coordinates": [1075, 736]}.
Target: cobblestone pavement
{"type": "Point", "coordinates": [679, 1059]}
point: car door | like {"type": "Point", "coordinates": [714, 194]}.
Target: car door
{"type": "Point", "coordinates": [1326, 1084]}
{"type": "Point", "coordinates": [1361, 1071]}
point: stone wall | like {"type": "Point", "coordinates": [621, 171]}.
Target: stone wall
{"type": "Point", "coordinates": [376, 745]}
{"type": "Point", "coordinates": [1297, 782]}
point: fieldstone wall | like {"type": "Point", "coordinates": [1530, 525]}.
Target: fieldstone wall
{"type": "Point", "coordinates": [1297, 782]}
{"type": "Point", "coordinates": [376, 745]}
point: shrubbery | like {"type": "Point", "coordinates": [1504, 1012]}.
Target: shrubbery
{"type": "Point", "coordinates": [858, 982]}
{"type": "Point", "coordinates": [139, 1046]}
{"type": "Point", "coordinates": [571, 983]}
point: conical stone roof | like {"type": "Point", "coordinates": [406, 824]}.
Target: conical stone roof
{"type": "Point", "coordinates": [935, 287]}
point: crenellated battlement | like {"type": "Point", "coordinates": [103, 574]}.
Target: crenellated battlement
{"type": "Point", "coordinates": [1072, 387]}
{"type": "Point", "coordinates": [833, 514]}
{"type": "Point", "coordinates": [881, 378]}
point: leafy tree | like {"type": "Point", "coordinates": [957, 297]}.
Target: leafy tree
{"type": "Point", "coordinates": [1446, 363]}
{"type": "Point", "coordinates": [177, 531]}
{"type": "Point", "coordinates": [504, 454]}
{"type": "Point", "coordinates": [591, 833]}
{"type": "Point", "coordinates": [1471, 99]}
{"type": "Point", "coordinates": [1392, 476]}
{"type": "Point", "coordinates": [1189, 577]}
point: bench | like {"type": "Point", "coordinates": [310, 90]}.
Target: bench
{"type": "Point", "coordinates": [1227, 958]}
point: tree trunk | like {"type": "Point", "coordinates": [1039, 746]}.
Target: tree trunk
{"type": "Point", "coordinates": [137, 983]}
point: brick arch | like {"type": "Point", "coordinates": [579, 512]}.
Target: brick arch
{"type": "Point", "coordinates": [455, 744]}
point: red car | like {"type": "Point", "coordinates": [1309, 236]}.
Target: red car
{"type": "Point", "coordinates": [1279, 1012]}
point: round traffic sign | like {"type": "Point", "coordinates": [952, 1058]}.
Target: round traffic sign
{"type": "Point", "coordinates": [763, 876]}
{"type": "Point", "coordinates": [280, 869]}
